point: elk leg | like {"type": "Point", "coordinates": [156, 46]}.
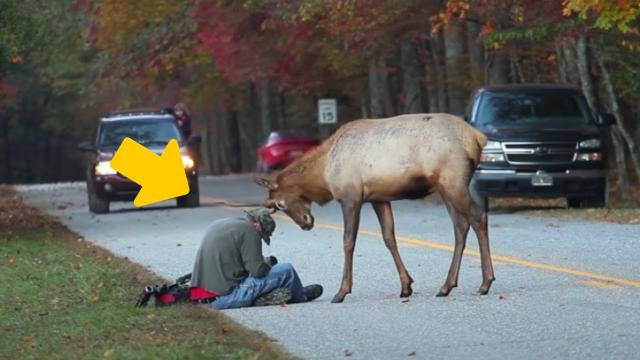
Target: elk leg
{"type": "Point", "coordinates": [351, 215]}
{"type": "Point", "coordinates": [480, 227]}
{"type": "Point", "coordinates": [385, 217]}
{"type": "Point", "coordinates": [461, 229]}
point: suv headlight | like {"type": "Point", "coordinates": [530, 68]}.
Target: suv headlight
{"type": "Point", "coordinates": [589, 144]}
{"type": "Point", "coordinates": [187, 162]}
{"type": "Point", "coordinates": [104, 168]}
{"type": "Point", "coordinates": [493, 146]}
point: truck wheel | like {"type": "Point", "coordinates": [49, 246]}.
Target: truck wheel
{"type": "Point", "coordinates": [599, 201]}
{"type": "Point", "coordinates": [97, 205]}
{"type": "Point", "coordinates": [574, 203]}
{"type": "Point", "coordinates": [192, 199]}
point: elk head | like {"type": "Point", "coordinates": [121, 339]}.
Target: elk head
{"type": "Point", "coordinates": [290, 200]}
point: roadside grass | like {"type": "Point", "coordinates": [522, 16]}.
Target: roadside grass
{"type": "Point", "coordinates": [621, 212]}
{"type": "Point", "coordinates": [65, 298]}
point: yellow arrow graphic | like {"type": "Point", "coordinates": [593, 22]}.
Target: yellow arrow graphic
{"type": "Point", "coordinates": [161, 177]}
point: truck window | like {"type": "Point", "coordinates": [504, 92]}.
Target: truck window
{"type": "Point", "coordinates": [548, 109]}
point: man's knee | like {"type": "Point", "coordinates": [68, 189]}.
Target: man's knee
{"type": "Point", "coordinates": [283, 269]}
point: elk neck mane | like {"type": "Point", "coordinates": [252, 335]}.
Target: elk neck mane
{"type": "Point", "coordinates": [307, 173]}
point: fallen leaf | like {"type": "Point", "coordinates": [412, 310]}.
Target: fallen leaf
{"type": "Point", "coordinates": [413, 353]}
{"type": "Point", "coordinates": [94, 298]}
{"type": "Point", "coordinates": [404, 301]}
{"type": "Point", "coordinates": [178, 244]}
{"type": "Point", "coordinates": [347, 353]}
{"type": "Point", "coordinates": [500, 297]}
{"type": "Point", "coordinates": [108, 352]}
{"type": "Point", "coordinates": [28, 338]}
{"type": "Point", "coordinates": [151, 316]}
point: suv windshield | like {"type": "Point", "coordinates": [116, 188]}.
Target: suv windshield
{"type": "Point", "coordinates": [145, 131]}
{"type": "Point", "coordinates": [524, 109]}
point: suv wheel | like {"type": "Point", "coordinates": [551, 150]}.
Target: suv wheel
{"type": "Point", "coordinates": [97, 205]}
{"type": "Point", "coordinates": [192, 199]}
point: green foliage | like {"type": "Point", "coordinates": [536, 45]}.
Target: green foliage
{"type": "Point", "coordinates": [620, 15]}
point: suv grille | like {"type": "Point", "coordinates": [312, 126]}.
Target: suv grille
{"type": "Point", "coordinates": [540, 153]}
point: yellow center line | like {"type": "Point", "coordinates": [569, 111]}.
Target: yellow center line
{"type": "Point", "coordinates": [607, 279]}
{"type": "Point", "coordinates": [600, 284]}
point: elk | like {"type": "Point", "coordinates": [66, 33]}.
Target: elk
{"type": "Point", "coordinates": [382, 160]}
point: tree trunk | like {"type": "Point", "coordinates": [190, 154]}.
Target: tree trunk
{"type": "Point", "coordinates": [586, 79]}
{"type": "Point", "coordinates": [378, 89]}
{"type": "Point", "coordinates": [266, 107]}
{"type": "Point", "coordinates": [517, 76]}
{"type": "Point", "coordinates": [561, 61]}
{"type": "Point", "coordinates": [209, 160]}
{"type": "Point", "coordinates": [476, 53]}
{"type": "Point", "coordinates": [234, 147]}
{"type": "Point", "coordinates": [621, 160]}
{"type": "Point", "coordinates": [7, 150]}
{"type": "Point", "coordinates": [437, 55]}
{"type": "Point", "coordinates": [455, 65]}
{"type": "Point", "coordinates": [615, 108]}
{"type": "Point", "coordinates": [573, 76]}
{"type": "Point", "coordinates": [496, 66]}
{"type": "Point", "coordinates": [412, 100]}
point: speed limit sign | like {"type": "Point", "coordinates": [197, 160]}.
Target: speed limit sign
{"type": "Point", "coordinates": [327, 111]}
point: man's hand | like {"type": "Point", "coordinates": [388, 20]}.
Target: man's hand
{"type": "Point", "coordinates": [271, 260]}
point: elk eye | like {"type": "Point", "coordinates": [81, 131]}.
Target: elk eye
{"type": "Point", "coordinates": [281, 205]}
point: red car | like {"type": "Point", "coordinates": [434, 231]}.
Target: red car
{"type": "Point", "coordinates": [283, 147]}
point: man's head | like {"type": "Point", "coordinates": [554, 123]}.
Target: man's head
{"type": "Point", "coordinates": [287, 199]}
{"type": "Point", "coordinates": [262, 217]}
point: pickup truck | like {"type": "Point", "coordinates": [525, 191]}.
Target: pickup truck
{"type": "Point", "coordinates": [543, 143]}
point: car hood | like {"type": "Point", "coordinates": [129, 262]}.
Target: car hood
{"type": "Point", "coordinates": [541, 134]}
{"type": "Point", "coordinates": [106, 153]}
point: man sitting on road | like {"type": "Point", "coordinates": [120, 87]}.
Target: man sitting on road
{"type": "Point", "coordinates": [231, 265]}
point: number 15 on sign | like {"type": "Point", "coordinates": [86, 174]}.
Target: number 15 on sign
{"type": "Point", "coordinates": [327, 111]}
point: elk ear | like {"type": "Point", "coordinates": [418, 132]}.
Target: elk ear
{"type": "Point", "coordinates": [281, 205]}
{"type": "Point", "coordinates": [266, 182]}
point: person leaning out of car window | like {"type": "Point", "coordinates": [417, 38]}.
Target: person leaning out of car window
{"type": "Point", "coordinates": [183, 118]}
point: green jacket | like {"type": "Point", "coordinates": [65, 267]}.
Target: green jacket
{"type": "Point", "coordinates": [231, 250]}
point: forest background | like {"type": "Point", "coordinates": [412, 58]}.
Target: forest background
{"type": "Point", "coordinates": [246, 67]}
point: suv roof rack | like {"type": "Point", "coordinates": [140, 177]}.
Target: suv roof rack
{"type": "Point", "coordinates": [138, 111]}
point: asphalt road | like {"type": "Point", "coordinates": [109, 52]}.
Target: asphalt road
{"type": "Point", "coordinates": [564, 289]}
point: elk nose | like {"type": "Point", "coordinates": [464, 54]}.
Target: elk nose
{"type": "Point", "coordinates": [308, 219]}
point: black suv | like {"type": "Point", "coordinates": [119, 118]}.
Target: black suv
{"type": "Point", "coordinates": [153, 129]}
{"type": "Point", "coordinates": [543, 142]}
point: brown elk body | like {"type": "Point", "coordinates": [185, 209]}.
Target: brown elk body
{"type": "Point", "coordinates": [381, 160]}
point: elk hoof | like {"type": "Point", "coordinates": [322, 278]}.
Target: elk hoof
{"type": "Point", "coordinates": [338, 298]}
{"type": "Point", "coordinates": [482, 291]}
{"type": "Point", "coordinates": [406, 293]}
{"type": "Point", "coordinates": [444, 291]}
